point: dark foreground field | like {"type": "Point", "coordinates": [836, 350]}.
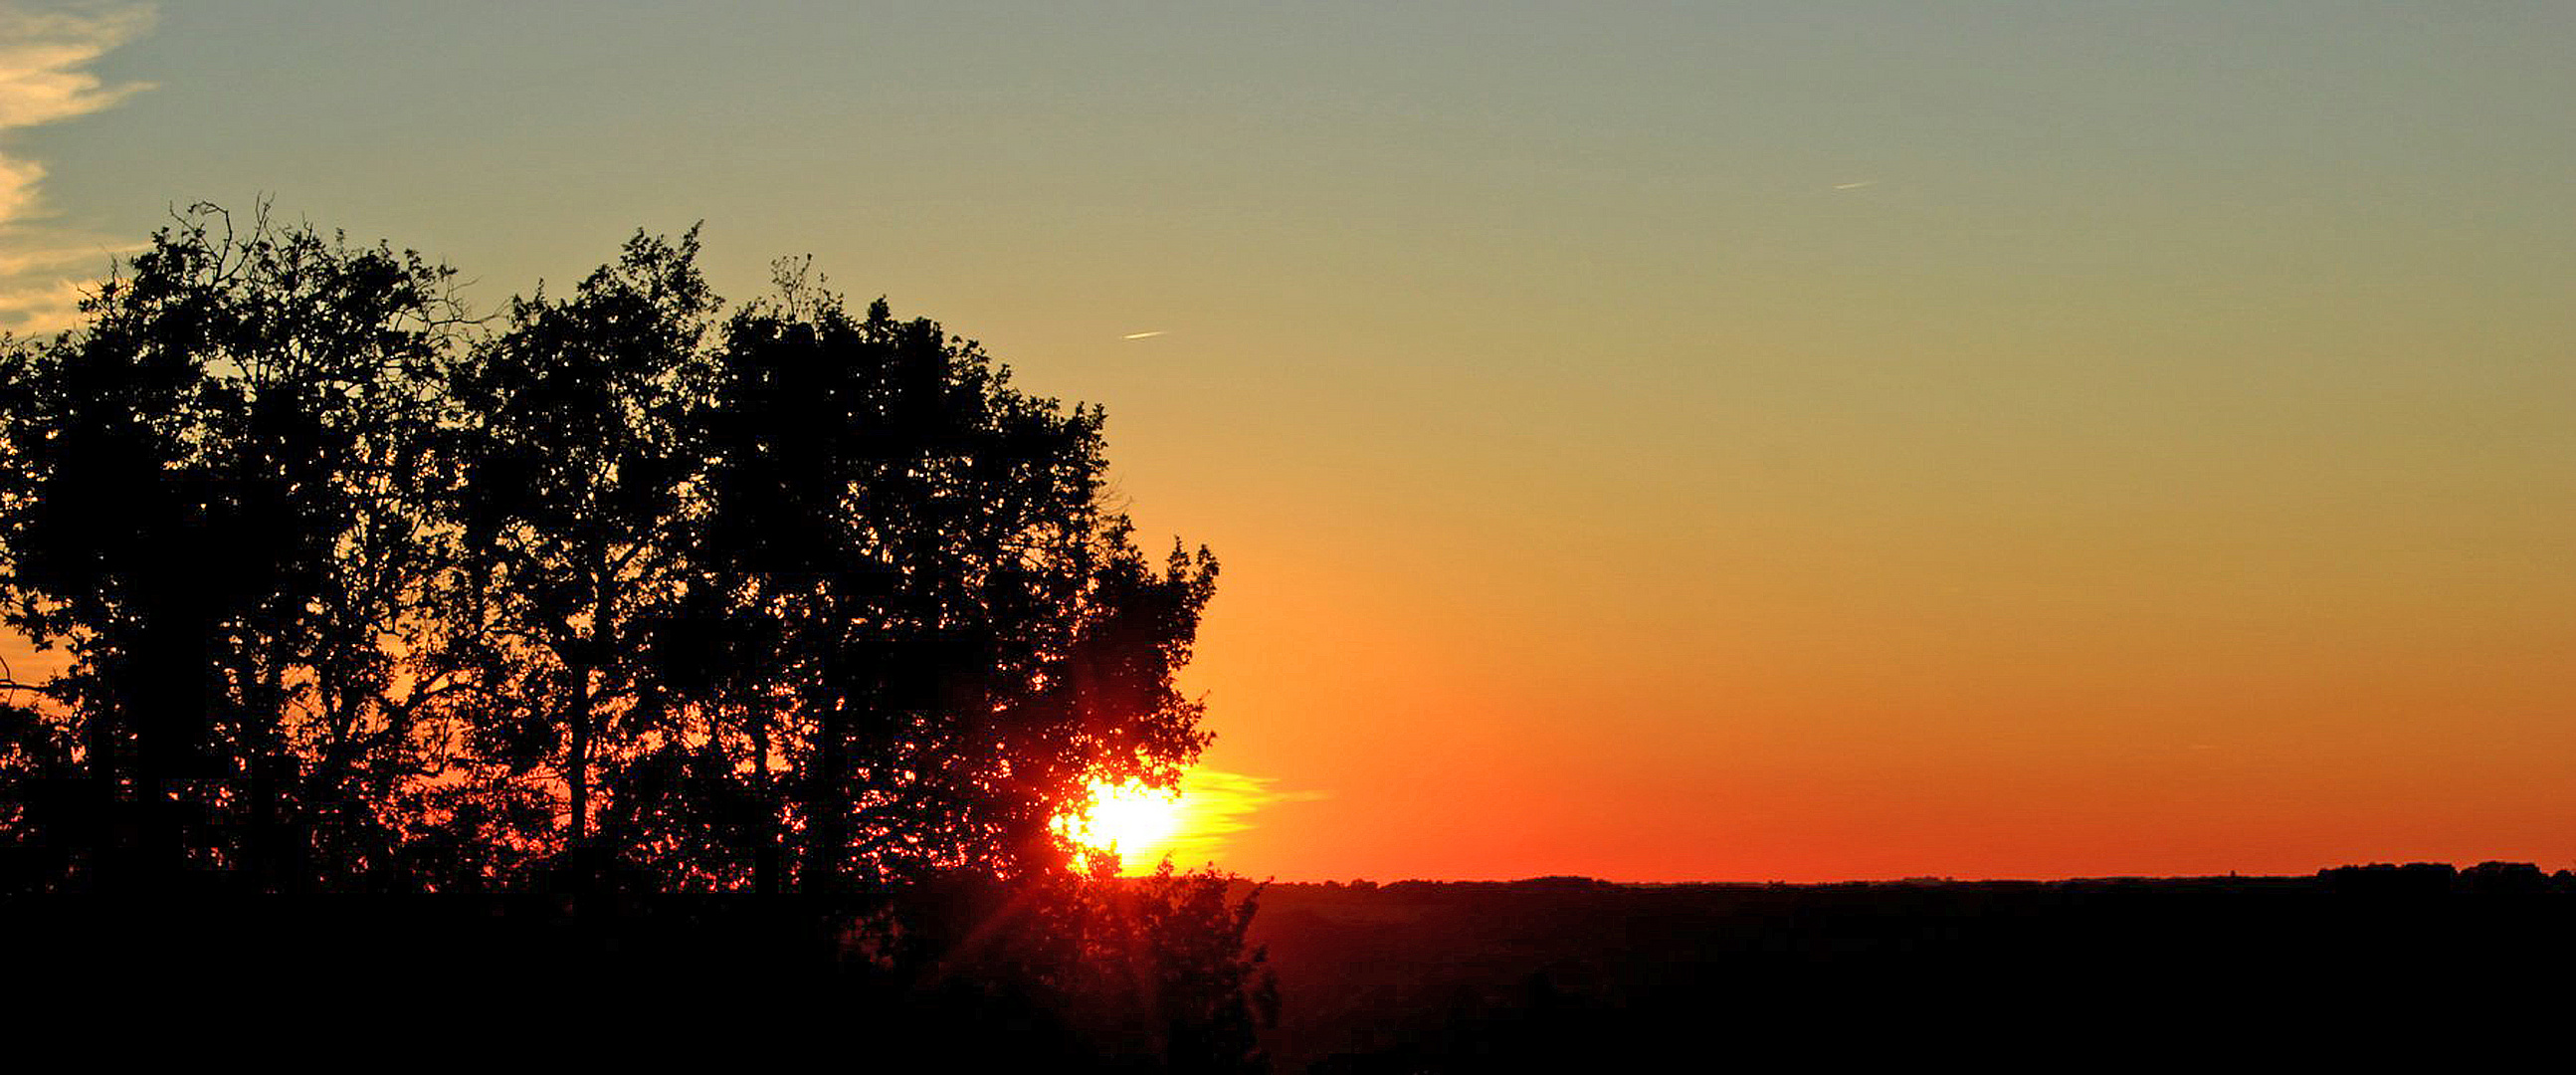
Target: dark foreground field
{"type": "Point", "coordinates": [1543, 975]}
{"type": "Point", "coordinates": [1572, 975]}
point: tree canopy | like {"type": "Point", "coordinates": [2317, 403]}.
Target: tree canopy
{"type": "Point", "coordinates": [611, 590]}
{"type": "Point", "coordinates": [612, 597]}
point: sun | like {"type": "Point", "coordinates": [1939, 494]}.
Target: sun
{"type": "Point", "coordinates": [1138, 823]}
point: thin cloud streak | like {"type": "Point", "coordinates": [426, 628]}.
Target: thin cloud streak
{"type": "Point", "coordinates": [18, 262]}
{"type": "Point", "coordinates": [1216, 805]}
{"type": "Point", "coordinates": [44, 78]}
{"type": "Point", "coordinates": [1142, 335]}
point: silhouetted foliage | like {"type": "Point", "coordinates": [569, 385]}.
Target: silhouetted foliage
{"type": "Point", "coordinates": [211, 497]}
{"type": "Point", "coordinates": [611, 594]}
{"type": "Point", "coordinates": [1144, 973]}
{"type": "Point", "coordinates": [914, 599]}
{"type": "Point", "coordinates": [580, 468]}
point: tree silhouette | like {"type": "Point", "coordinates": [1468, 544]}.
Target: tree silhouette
{"type": "Point", "coordinates": [360, 594]}
{"type": "Point", "coordinates": [915, 597]}
{"type": "Point", "coordinates": [209, 499]}
{"type": "Point", "coordinates": [357, 597]}
{"type": "Point", "coordinates": [579, 480]}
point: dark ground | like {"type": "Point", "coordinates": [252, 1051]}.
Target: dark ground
{"type": "Point", "coordinates": [1567, 974]}
{"type": "Point", "coordinates": [2438, 968]}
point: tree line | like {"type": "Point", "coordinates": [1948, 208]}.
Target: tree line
{"type": "Point", "coordinates": [611, 590]}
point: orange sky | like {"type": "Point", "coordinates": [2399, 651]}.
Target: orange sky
{"type": "Point", "coordinates": [1782, 442]}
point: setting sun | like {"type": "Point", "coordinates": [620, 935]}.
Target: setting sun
{"type": "Point", "coordinates": [1136, 822]}
{"type": "Point", "coordinates": [1192, 823]}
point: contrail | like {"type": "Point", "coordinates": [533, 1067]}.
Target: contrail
{"type": "Point", "coordinates": [1854, 186]}
{"type": "Point", "coordinates": [1142, 335]}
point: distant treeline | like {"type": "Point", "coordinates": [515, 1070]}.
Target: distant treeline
{"type": "Point", "coordinates": [2437, 877]}
{"type": "Point", "coordinates": [2376, 877]}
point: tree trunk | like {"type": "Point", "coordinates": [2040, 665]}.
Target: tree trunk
{"type": "Point", "coordinates": [267, 764]}
{"type": "Point", "coordinates": [826, 816]}
{"type": "Point", "coordinates": [764, 853]}
{"type": "Point", "coordinates": [577, 763]}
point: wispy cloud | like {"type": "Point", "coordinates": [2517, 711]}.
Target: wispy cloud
{"type": "Point", "coordinates": [45, 56]}
{"type": "Point", "coordinates": [1142, 335]}
{"type": "Point", "coordinates": [1214, 806]}
{"type": "Point", "coordinates": [1856, 186]}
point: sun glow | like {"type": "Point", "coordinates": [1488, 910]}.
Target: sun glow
{"type": "Point", "coordinates": [1137, 823]}
{"type": "Point", "coordinates": [1192, 823]}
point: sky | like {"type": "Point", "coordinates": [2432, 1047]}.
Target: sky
{"type": "Point", "coordinates": [1746, 441]}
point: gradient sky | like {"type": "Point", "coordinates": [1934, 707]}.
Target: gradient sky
{"type": "Point", "coordinates": [1777, 440]}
